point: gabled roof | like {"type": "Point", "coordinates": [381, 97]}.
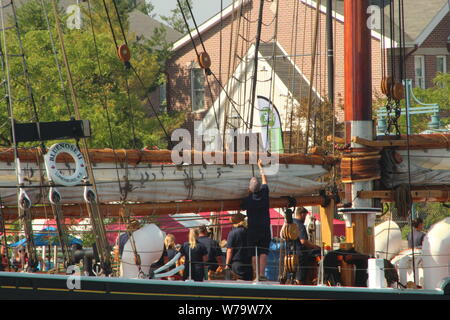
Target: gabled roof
{"type": "Point", "coordinates": [285, 69]}
{"type": "Point", "coordinates": [421, 16]}
{"type": "Point", "coordinates": [208, 24]}
{"type": "Point", "coordinates": [144, 25]}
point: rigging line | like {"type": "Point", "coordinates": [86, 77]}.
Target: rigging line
{"type": "Point", "coordinates": [93, 206]}
{"type": "Point", "coordinates": [3, 230]}
{"type": "Point", "coordinates": [297, 145]}
{"type": "Point", "coordinates": [188, 29]}
{"type": "Point", "coordinates": [151, 104]}
{"type": "Point", "coordinates": [212, 102]}
{"type": "Point", "coordinates": [245, 39]}
{"type": "Point", "coordinates": [55, 55]}
{"type": "Point", "coordinates": [104, 96]}
{"type": "Point", "coordinates": [133, 130]}
{"type": "Point", "coordinates": [392, 35]}
{"type": "Point", "coordinates": [220, 72]}
{"type": "Point", "coordinates": [227, 103]}
{"type": "Point", "coordinates": [120, 22]}
{"type": "Point", "coordinates": [402, 51]}
{"type": "Point", "coordinates": [24, 214]}
{"type": "Point", "coordinates": [272, 77]}
{"type": "Point", "coordinates": [227, 95]}
{"type": "Point", "coordinates": [244, 49]}
{"type": "Point", "coordinates": [313, 63]}
{"type": "Point", "coordinates": [383, 39]}
{"type": "Point", "coordinates": [110, 24]}
{"type": "Point", "coordinates": [26, 75]}
{"type": "Point", "coordinates": [255, 64]}
{"type": "Point", "coordinates": [195, 24]}
{"type": "Point", "coordinates": [207, 71]}
{"type": "Point", "coordinates": [292, 70]}
{"type": "Point", "coordinates": [134, 70]}
{"type": "Point", "coordinates": [268, 24]}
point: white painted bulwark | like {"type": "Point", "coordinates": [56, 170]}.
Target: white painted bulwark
{"type": "Point", "coordinates": [376, 274]}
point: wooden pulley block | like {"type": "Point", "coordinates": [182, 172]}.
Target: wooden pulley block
{"type": "Point", "coordinates": [289, 231]}
{"type": "Point", "coordinates": [398, 91]}
{"type": "Point", "coordinates": [204, 60]}
{"type": "Point", "coordinates": [124, 53]}
{"type": "Point", "coordinates": [386, 86]}
{"type": "Point", "coordinates": [287, 263]}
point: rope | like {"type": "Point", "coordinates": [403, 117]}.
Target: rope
{"type": "Point", "coordinates": [92, 206]}
{"type": "Point", "coordinates": [55, 55]}
{"type": "Point", "coordinates": [313, 63]}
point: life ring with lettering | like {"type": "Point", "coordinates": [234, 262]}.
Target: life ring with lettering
{"type": "Point", "coordinates": [55, 174]}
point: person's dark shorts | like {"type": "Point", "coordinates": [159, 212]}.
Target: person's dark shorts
{"type": "Point", "coordinates": [262, 243]}
{"type": "Point", "coordinates": [243, 270]}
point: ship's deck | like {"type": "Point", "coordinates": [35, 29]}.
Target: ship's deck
{"type": "Point", "coordinates": [40, 286]}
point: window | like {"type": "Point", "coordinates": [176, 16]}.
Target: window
{"type": "Point", "coordinates": [198, 89]}
{"type": "Point", "coordinates": [419, 66]}
{"type": "Point", "coordinates": [162, 98]}
{"type": "Point", "coordinates": [441, 64]}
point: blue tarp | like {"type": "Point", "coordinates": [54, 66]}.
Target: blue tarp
{"type": "Point", "coordinates": [47, 236]}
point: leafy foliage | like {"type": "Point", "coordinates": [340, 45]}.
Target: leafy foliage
{"type": "Point", "coordinates": [439, 93]}
{"type": "Point", "coordinates": [104, 87]}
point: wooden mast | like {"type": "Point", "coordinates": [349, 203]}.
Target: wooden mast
{"type": "Point", "coordinates": [358, 119]}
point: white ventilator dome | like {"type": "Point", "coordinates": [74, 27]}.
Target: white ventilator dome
{"type": "Point", "coordinates": [149, 242]}
{"type": "Point", "coordinates": [388, 240]}
{"type": "Point", "coordinates": [436, 254]}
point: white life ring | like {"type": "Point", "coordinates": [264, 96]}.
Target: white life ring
{"type": "Point", "coordinates": [55, 174]}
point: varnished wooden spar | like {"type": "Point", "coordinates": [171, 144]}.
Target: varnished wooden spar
{"type": "Point", "coordinates": [149, 209]}
{"type": "Point", "coordinates": [161, 156]}
{"type": "Point", "coordinates": [417, 141]}
{"type": "Point", "coordinates": [419, 194]}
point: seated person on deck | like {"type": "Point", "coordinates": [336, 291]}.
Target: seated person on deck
{"type": "Point", "coordinates": [306, 249]}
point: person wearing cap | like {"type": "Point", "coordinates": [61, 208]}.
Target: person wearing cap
{"type": "Point", "coordinates": [132, 227]}
{"type": "Point", "coordinates": [416, 236]}
{"type": "Point", "coordinates": [238, 257]}
{"type": "Point", "coordinates": [213, 248]}
{"type": "Point", "coordinates": [305, 247]}
{"type": "Point", "coordinates": [257, 206]}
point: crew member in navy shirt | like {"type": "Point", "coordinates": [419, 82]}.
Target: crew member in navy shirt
{"type": "Point", "coordinates": [238, 256]}
{"type": "Point", "coordinates": [213, 248]}
{"type": "Point", "coordinates": [197, 253]}
{"type": "Point", "coordinates": [305, 248]}
{"type": "Point", "coordinates": [258, 219]}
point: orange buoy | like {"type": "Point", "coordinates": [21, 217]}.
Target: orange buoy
{"type": "Point", "coordinates": [124, 53]}
{"type": "Point", "coordinates": [204, 60]}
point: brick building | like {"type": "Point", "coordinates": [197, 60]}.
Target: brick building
{"type": "Point", "coordinates": [284, 63]}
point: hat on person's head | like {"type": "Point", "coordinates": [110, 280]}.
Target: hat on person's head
{"type": "Point", "coordinates": [203, 229]}
{"type": "Point", "coordinates": [254, 185]}
{"type": "Point", "coordinates": [301, 210]}
{"type": "Point", "coordinates": [236, 218]}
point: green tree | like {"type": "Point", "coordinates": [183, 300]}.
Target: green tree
{"type": "Point", "coordinates": [175, 19]}
{"type": "Point", "coordinates": [439, 93]}
{"type": "Point", "coordinates": [104, 88]}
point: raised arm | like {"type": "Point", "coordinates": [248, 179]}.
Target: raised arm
{"type": "Point", "coordinates": [261, 171]}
